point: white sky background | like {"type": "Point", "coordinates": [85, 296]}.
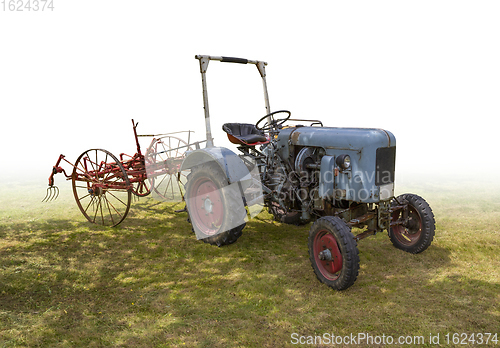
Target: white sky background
{"type": "Point", "coordinates": [428, 71]}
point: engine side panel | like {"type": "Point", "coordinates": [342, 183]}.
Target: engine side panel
{"type": "Point", "coordinates": [370, 178]}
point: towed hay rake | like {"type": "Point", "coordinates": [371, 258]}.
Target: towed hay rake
{"type": "Point", "coordinates": [103, 185]}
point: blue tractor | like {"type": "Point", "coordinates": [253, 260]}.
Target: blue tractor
{"type": "Point", "coordinates": [301, 172]}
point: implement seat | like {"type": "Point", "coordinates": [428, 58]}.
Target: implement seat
{"type": "Point", "coordinates": [244, 134]}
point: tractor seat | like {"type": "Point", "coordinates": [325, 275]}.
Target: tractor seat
{"type": "Point", "coordinates": [244, 134]}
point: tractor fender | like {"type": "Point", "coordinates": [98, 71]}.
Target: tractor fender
{"type": "Point", "coordinates": [230, 163]}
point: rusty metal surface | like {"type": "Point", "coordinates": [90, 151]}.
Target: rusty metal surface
{"type": "Point", "coordinates": [364, 234]}
{"type": "Point", "coordinates": [361, 219]}
{"type": "Point", "coordinates": [294, 137]}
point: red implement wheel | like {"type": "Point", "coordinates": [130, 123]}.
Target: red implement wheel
{"type": "Point", "coordinates": [142, 188]}
{"type": "Point", "coordinates": [333, 252]}
{"type": "Point", "coordinates": [416, 227]}
{"type": "Point", "coordinates": [101, 187]}
{"type": "Point", "coordinates": [163, 160]}
{"type": "Point", "coordinates": [216, 210]}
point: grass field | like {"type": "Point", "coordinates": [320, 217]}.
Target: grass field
{"type": "Point", "coordinates": [150, 283]}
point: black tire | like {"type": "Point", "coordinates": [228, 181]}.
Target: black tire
{"type": "Point", "coordinates": [227, 225]}
{"type": "Point", "coordinates": [333, 234]}
{"type": "Point", "coordinates": [417, 233]}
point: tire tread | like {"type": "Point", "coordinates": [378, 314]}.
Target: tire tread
{"type": "Point", "coordinates": [349, 251]}
{"type": "Point", "coordinates": [428, 224]}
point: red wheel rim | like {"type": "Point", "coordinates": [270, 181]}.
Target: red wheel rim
{"type": "Point", "coordinates": [410, 234]}
{"type": "Point", "coordinates": [331, 267]}
{"type": "Point", "coordinates": [206, 206]}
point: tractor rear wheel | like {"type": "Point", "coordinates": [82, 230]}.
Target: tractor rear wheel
{"type": "Point", "coordinates": [215, 209]}
{"type": "Point", "coordinates": [333, 252]}
{"type": "Point", "coordinates": [416, 231]}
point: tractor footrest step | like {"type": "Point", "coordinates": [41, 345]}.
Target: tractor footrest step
{"type": "Point", "coordinates": [361, 219]}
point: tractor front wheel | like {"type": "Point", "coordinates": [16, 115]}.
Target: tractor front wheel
{"type": "Point", "coordinates": [415, 226]}
{"type": "Point", "coordinates": [216, 209]}
{"type": "Point", "coordinates": [333, 252]}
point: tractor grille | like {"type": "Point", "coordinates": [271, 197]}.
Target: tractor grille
{"type": "Point", "coordinates": [385, 165]}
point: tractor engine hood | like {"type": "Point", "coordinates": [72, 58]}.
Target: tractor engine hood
{"type": "Point", "coordinates": [372, 152]}
{"type": "Point", "coordinates": [337, 138]}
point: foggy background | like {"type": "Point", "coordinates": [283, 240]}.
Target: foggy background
{"type": "Point", "coordinates": [428, 71]}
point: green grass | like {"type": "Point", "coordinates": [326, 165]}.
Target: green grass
{"type": "Point", "coordinates": [150, 283]}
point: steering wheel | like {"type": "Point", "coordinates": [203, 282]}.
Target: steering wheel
{"type": "Point", "coordinates": [275, 123]}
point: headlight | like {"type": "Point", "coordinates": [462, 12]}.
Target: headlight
{"type": "Point", "coordinates": [344, 161]}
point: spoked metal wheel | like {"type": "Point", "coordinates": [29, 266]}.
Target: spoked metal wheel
{"type": "Point", "coordinates": [101, 187]}
{"type": "Point", "coordinates": [163, 162]}
{"type": "Point", "coordinates": [143, 188]}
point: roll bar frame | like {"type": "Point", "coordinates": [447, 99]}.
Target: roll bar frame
{"type": "Point", "coordinates": [204, 60]}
